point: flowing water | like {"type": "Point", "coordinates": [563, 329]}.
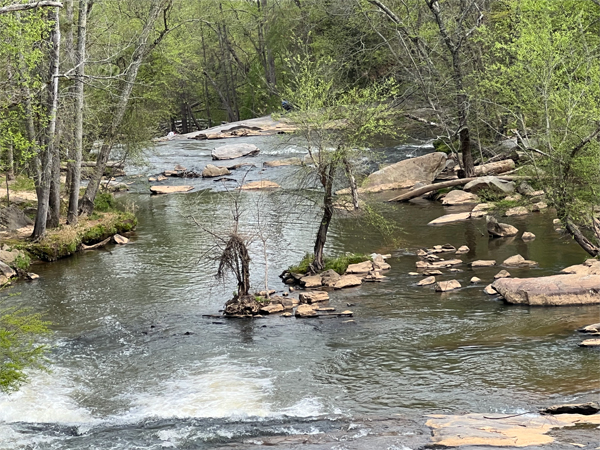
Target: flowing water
{"type": "Point", "coordinates": [134, 364]}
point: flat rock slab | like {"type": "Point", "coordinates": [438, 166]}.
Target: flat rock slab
{"type": "Point", "coordinates": [590, 267]}
{"type": "Point", "coordinates": [312, 281]}
{"type": "Point", "coordinates": [451, 218]}
{"type": "Point", "coordinates": [234, 151]}
{"type": "Point", "coordinates": [313, 297]}
{"type": "Point", "coordinates": [501, 430]}
{"type": "Point", "coordinates": [283, 162]}
{"type": "Point", "coordinates": [422, 169]}
{"type": "Point", "coordinates": [444, 286]}
{"type": "Point", "coordinates": [573, 408]}
{"type": "Point", "coordinates": [348, 281]}
{"type": "Point", "coordinates": [590, 343]}
{"type": "Point", "coordinates": [438, 264]}
{"type": "Point", "coordinates": [211, 171]}
{"type": "Point", "coordinates": [491, 183]}
{"type": "Point", "coordinates": [170, 189]}
{"type": "Point", "coordinates": [556, 290]}
{"type": "Point", "coordinates": [458, 197]}
{"type": "Point", "coordinates": [483, 263]}
{"type": "Point", "coordinates": [257, 185]}
{"type": "Point", "coordinates": [363, 267]}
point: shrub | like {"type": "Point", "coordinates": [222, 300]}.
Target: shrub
{"type": "Point", "coordinates": [105, 202]}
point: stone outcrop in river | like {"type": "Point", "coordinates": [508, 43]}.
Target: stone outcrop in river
{"type": "Point", "coordinates": [233, 151]}
{"type": "Point", "coordinates": [421, 169]}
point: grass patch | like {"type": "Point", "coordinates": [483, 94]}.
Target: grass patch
{"type": "Point", "coordinates": [339, 264]}
{"type": "Point", "coordinates": [23, 183]}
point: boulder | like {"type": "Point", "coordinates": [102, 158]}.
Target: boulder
{"type": "Point", "coordinates": [233, 151]}
{"type": "Point", "coordinates": [329, 278]}
{"type": "Point", "coordinates": [502, 274]}
{"type": "Point", "coordinates": [516, 211]}
{"type": "Point", "coordinates": [458, 197]}
{"type": "Point", "coordinates": [169, 189]}
{"type": "Point", "coordinates": [211, 171]}
{"type": "Point", "coordinates": [518, 261]}
{"type": "Point", "coordinates": [483, 263]}
{"type": "Point", "coordinates": [426, 281]}
{"type": "Point", "coordinates": [312, 281]}
{"type": "Point", "coordinates": [283, 162]}
{"type": "Point", "coordinates": [8, 256]}
{"type": "Point", "coordinates": [410, 171]}
{"type": "Point", "coordinates": [444, 286]}
{"type": "Point", "coordinates": [463, 250]}
{"type": "Point", "coordinates": [306, 311]}
{"type": "Point", "coordinates": [348, 281]}
{"type": "Point", "coordinates": [491, 183]}
{"type": "Point", "coordinates": [256, 185]}
{"type": "Point", "coordinates": [7, 271]}
{"type": "Point", "coordinates": [272, 308]}
{"type": "Point", "coordinates": [12, 218]}
{"type": "Point", "coordinates": [313, 297]}
{"type": "Point", "coordinates": [363, 267]}
{"type": "Point", "coordinates": [496, 229]}
{"type": "Point", "coordinates": [121, 240]}
{"type": "Point", "coordinates": [527, 236]}
{"type": "Point", "coordinates": [489, 290]}
{"type": "Point", "coordinates": [555, 290]}
{"type": "Point", "coordinates": [475, 280]}
{"type": "Point", "coordinates": [451, 218]}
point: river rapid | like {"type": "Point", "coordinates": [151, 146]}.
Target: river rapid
{"type": "Point", "coordinates": [134, 364]}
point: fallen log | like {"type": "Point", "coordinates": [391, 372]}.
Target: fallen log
{"type": "Point", "coordinates": [98, 245]}
{"type": "Point", "coordinates": [433, 187]}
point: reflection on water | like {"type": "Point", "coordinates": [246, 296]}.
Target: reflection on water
{"type": "Point", "coordinates": [130, 344]}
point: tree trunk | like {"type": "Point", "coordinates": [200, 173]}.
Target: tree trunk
{"type": "Point", "coordinates": [352, 181]}
{"type": "Point", "coordinates": [45, 163]}
{"type": "Point", "coordinates": [141, 49]}
{"type": "Point", "coordinates": [10, 163]}
{"type": "Point", "coordinates": [54, 201]}
{"type": "Point", "coordinates": [75, 166]}
{"type": "Point", "coordinates": [318, 263]}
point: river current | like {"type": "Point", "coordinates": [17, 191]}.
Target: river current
{"type": "Point", "coordinates": [135, 364]}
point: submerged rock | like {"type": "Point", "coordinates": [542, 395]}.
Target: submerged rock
{"type": "Point", "coordinates": [555, 290]}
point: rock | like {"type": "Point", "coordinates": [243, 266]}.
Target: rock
{"type": "Point", "coordinates": [414, 274]}
{"type": "Point", "coordinates": [495, 167]}
{"type": "Point", "coordinates": [380, 264]}
{"type": "Point", "coordinates": [524, 188]}
{"type": "Point", "coordinates": [242, 306]}
{"type": "Point", "coordinates": [451, 218]}
{"type": "Point", "coordinates": [169, 189]}
{"type": "Point", "coordinates": [483, 207]}
{"type": "Point", "coordinates": [594, 328]}
{"type": "Point", "coordinates": [489, 290]}
{"type": "Point", "coordinates": [426, 281]}
{"type": "Point", "coordinates": [375, 275]}
{"type": "Point", "coordinates": [429, 273]}
{"type": "Point", "coordinates": [272, 308]}
{"type": "Point", "coordinates": [12, 218]}
{"type": "Point", "coordinates": [555, 290]}
{"type": "Point", "coordinates": [286, 314]}
{"type": "Point", "coordinates": [527, 236]}
{"type": "Point", "coordinates": [168, 173]}
{"type": "Point", "coordinates": [327, 309]}
{"type": "Point", "coordinates": [454, 270]}
{"type": "Point", "coordinates": [475, 280]}
{"type": "Point", "coordinates": [496, 229]}
{"type": "Point", "coordinates": [121, 240]}
{"type": "Point", "coordinates": [518, 261]}
{"type": "Point", "coordinates": [151, 179]}
{"type": "Point", "coordinates": [363, 267]}
{"type": "Point", "coordinates": [314, 297]}
{"type": "Point", "coordinates": [491, 183]}
{"type": "Point", "coordinates": [502, 274]}
{"type": "Point", "coordinates": [233, 151]}
{"type": "Point", "coordinates": [256, 185]}
{"type": "Point", "coordinates": [421, 252]}
{"type": "Point", "coordinates": [516, 211]}
{"type": "Point", "coordinates": [420, 169]}
{"type": "Point", "coordinates": [32, 276]}
{"type": "Point", "coordinates": [463, 250]}
{"type": "Point", "coordinates": [7, 271]}
{"type": "Point", "coordinates": [556, 221]}
{"type": "Point", "coordinates": [483, 263]}
{"type": "Point", "coordinates": [590, 343]}
{"type": "Point", "coordinates": [513, 198]}
{"type": "Point", "coordinates": [283, 162]}
{"type": "Point", "coordinates": [348, 281]}
{"type": "Point", "coordinates": [161, 178]}
{"type": "Point", "coordinates": [438, 264]}
{"type": "Point", "coordinates": [9, 256]}
{"type": "Point", "coordinates": [211, 171]}
{"type": "Point", "coordinates": [458, 197]}
{"type": "Point", "coordinates": [179, 168]}
{"type": "Point", "coordinates": [305, 311]}
{"type": "Point", "coordinates": [444, 286]}
{"type": "Point", "coordinates": [311, 281]}
{"type": "Point", "coordinates": [329, 278]}
{"type": "Point", "coordinates": [587, 409]}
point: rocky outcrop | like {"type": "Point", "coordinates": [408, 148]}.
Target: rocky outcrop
{"type": "Point", "coordinates": [422, 169]}
{"type": "Point", "coordinates": [258, 185]}
{"type": "Point", "coordinates": [589, 267]}
{"type": "Point", "coordinates": [13, 218]}
{"type": "Point", "coordinates": [496, 229]}
{"type": "Point", "coordinates": [233, 151]}
{"type": "Point", "coordinates": [556, 290]}
{"type": "Point", "coordinates": [211, 171]}
{"type": "Point", "coordinates": [458, 197]}
{"type": "Point", "coordinates": [491, 183]}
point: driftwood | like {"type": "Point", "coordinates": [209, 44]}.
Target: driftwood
{"type": "Point", "coordinates": [433, 187]}
{"type": "Point", "coordinates": [98, 245]}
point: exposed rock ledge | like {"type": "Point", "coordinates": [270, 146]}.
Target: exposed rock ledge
{"type": "Point", "coordinates": [556, 290]}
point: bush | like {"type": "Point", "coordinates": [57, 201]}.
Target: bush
{"type": "Point", "coordinates": [105, 202]}
{"type": "Point", "coordinates": [339, 264]}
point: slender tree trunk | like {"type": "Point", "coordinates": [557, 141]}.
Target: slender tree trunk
{"type": "Point", "coordinates": [10, 162]}
{"type": "Point", "coordinates": [75, 166]}
{"type": "Point", "coordinates": [54, 201]}
{"type": "Point", "coordinates": [206, 96]}
{"type": "Point", "coordinates": [141, 49]}
{"type": "Point", "coordinates": [45, 166]}
{"type": "Point", "coordinates": [352, 182]}
{"type": "Point", "coordinates": [318, 263]}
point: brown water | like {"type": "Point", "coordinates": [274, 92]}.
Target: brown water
{"type": "Point", "coordinates": [135, 365]}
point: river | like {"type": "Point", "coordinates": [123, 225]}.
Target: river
{"type": "Point", "coordinates": [134, 364]}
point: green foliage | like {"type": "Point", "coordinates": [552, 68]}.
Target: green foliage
{"type": "Point", "coordinates": [23, 183]}
{"type": "Point", "coordinates": [341, 263]}
{"type": "Point", "coordinates": [22, 261]}
{"type": "Point", "coordinates": [304, 264]}
{"type": "Point", "coordinates": [105, 202]}
{"type": "Point", "coordinates": [489, 196]}
{"type": "Point", "coordinates": [19, 329]}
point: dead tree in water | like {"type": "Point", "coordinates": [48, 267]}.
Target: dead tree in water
{"type": "Point", "coordinates": [236, 260]}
